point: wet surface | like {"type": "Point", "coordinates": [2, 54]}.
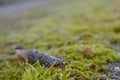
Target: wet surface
{"type": "Point", "coordinates": [118, 53]}
{"type": "Point", "coordinates": [114, 71]}
{"type": "Point", "coordinates": [115, 45]}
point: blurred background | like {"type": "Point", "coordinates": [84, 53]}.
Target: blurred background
{"type": "Point", "coordinates": [12, 12]}
{"type": "Point", "coordinates": [96, 21]}
{"type": "Point", "coordinates": [102, 16]}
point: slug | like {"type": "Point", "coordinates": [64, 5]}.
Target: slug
{"type": "Point", "coordinates": [44, 59]}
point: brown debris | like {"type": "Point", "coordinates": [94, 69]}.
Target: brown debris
{"type": "Point", "coordinates": [89, 52]}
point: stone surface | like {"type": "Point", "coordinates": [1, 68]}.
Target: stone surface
{"type": "Point", "coordinates": [113, 71]}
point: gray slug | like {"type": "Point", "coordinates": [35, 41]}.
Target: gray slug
{"type": "Point", "coordinates": [45, 60]}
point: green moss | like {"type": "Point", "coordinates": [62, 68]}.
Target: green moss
{"type": "Point", "coordinates": [10, 71]}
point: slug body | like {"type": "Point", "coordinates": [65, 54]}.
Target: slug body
{"type": "Point", "coordinates": [34, 55]}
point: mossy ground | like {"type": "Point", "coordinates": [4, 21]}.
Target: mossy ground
{"type": "Point", "coordinates": [84, 31]}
